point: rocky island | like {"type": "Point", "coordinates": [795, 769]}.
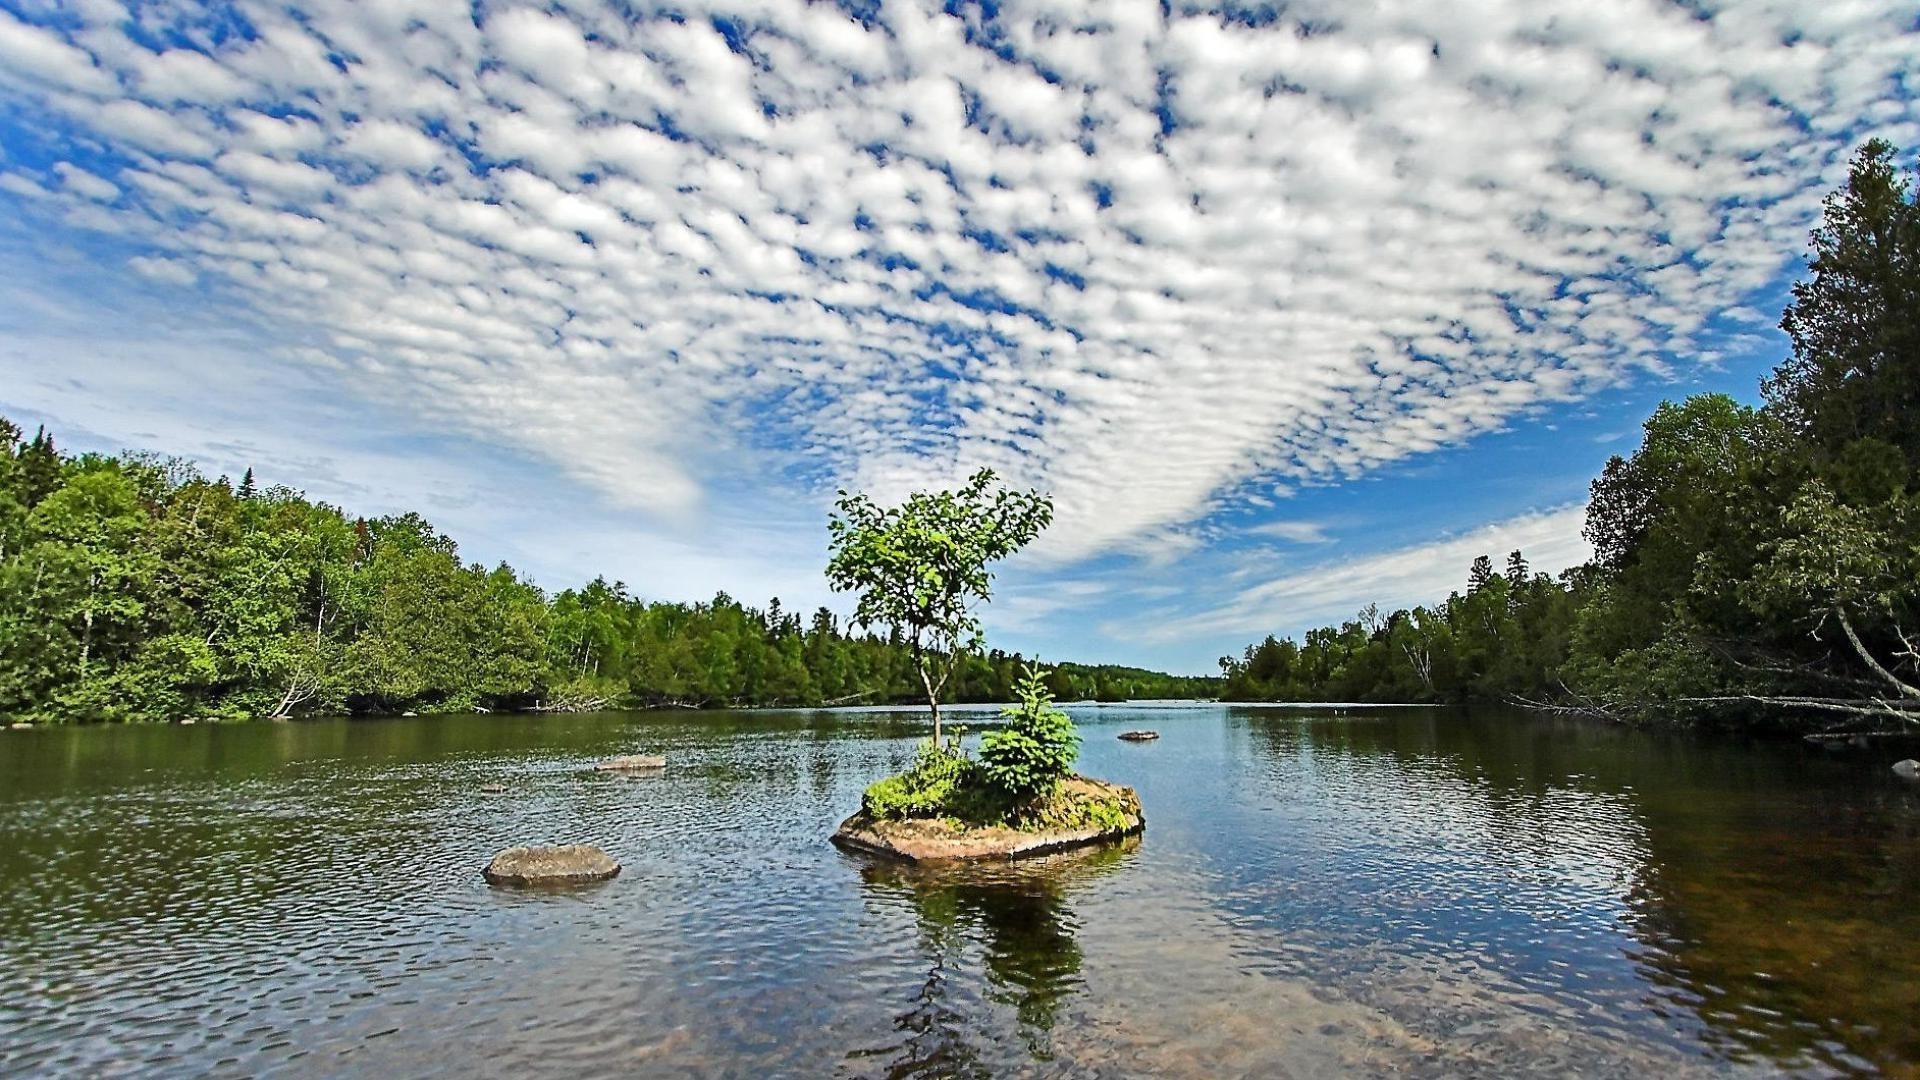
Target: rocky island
{"type": "Point", "coordinates": [1017, 799]}
{"type": "Point", "coordinates": [1080, 813]}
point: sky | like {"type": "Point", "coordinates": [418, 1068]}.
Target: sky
{"type": "Point", "coordinates": [1291, 307]}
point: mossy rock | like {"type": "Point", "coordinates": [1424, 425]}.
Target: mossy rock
{"type": "Point", "coordinates": [1080, 813]}
{"type": "Point", "coordinates": [566, 864]}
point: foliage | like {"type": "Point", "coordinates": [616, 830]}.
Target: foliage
{"type": "Point", "coordinates": [1025, 759]}
{"type": "Point", "coordinates": [1855, 322]}
{"type": "Point", "coordinates": [920, 566]}
{"type": "Point", "coordinates": [927, 789]}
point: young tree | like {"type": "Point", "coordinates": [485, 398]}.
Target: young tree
{"type": "Point", "coordinates": [921, 566]}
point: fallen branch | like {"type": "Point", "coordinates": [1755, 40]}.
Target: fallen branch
{"type": "Point", "coordinates": [1904, 711]}
{"type": "Point", "coordinates": [573, 705]}
{"type": "Point", "coordinates": [1905, 689]}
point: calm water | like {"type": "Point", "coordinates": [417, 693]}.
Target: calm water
{"type": "Point", "coordinates": [1318, 893]}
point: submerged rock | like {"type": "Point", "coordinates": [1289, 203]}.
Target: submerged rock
{"type": "Point", "coordinates": [632, 763]}
{"type": "Point", "coordinates": [1907, 770]}
{"type": "Point", "coordinates": [938, 840]}
{"type": "Point", "coordinates": [566, 864]}
{"type": "Point", "coordinates": [1139, 736]}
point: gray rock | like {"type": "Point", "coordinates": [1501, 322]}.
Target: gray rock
{"type": "Point", "coordinates": [632, 763]}
{"type": "Point", "coordinates": [566, 864]}
{"type": "Point", "coordinates": [1907, 770]}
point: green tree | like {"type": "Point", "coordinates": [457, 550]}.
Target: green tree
{"type": "Point", "coordinates": [919, 567]}
{"type": "Point", "coordinates": [1027, 758]}
{"type": "Point", "coordinates": [1855, 322]}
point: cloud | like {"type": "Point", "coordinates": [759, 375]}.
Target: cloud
{"type": "Point", "coordinates": [1161, 261]}
{"type": "Point", "coordinates": [40, 54]}
{"type": "Point", "coordinates": [1298, 532]}
{"type": "Point", "coordinates": [163, 271]}
{"type": "Point", "coordinates": [1332, 590]}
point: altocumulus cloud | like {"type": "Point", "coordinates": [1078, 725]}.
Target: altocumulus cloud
{"type": "Point", "coordinates": [1154, 258]}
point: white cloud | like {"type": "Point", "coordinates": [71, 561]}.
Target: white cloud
{"type": "Point", "coordinates": [1332, 590]}
{"type": "Point", "coordinates": [84, 183]}
{"type": "Point", "coordinates": [163, 271]}
{"type": "Point", "coordinates": [1298, 532]}
{"type": "Point", "coordinates": [1153, 260]}
{"type": "Point", "coordinates": [27, 50]}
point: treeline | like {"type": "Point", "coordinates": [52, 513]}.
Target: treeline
{"type": "Point", "coordinates": [1506, 635]}
{"type": "Point", "coordinates": [134, 588]}
{"type": "Point", "coordinates": [1750, 561]}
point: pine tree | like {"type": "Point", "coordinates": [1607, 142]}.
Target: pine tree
{"type": "Point", "coordinates": [1481, 575]}
{"type": "Point", "coordinates": [39, 469]}
{"type": "Point", "coordinates": [1517, 571]}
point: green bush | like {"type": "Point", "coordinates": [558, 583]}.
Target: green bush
{"type": "Point", "coordinates": [1027, 758]}
{"type": "Point", "coordinates": [924, 790]}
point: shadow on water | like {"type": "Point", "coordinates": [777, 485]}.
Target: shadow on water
{"type": "Point", "coordinates": [1017, 921]}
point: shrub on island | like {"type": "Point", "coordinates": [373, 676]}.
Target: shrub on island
{"type": "Point", "coordinates": [1019, 797]}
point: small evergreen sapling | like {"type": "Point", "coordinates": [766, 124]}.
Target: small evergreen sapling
{"type": "Point", "coordinates": [1028, 758]}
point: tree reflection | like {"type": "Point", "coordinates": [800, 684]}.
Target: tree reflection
{"type": "Point", "coordinates": [1019, 918]}
{"type": "Point", "coordinates": [1755, 895]}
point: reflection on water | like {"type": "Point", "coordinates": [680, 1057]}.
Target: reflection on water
{"type": "Point", "coordinates": [1015, 921]}
{"type": "Point", "coordinates": [1320, 892]}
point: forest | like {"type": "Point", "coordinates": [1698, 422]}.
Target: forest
{"type": "Point", "coordinates": [1752, 563]}
{"type": "Point", "coordinates": [134, 588]}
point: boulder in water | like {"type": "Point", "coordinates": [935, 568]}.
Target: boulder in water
{"type": "Point", "coordinates": [1907, 770]}
{"type": "Point", "coordinates": [632, 763]}
{"type": "Point", "coordinates": [566, 864]}
{"type": "Point", "coordinates": [1139, 736]}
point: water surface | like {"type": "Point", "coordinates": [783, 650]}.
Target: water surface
{"type": "Point", "coordinates": [1319, 892]}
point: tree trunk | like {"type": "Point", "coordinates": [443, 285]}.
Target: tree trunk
{"type": "Point", "coordinates": [933, 698]}
{"type": "Point", "coordinates": [933, 695]}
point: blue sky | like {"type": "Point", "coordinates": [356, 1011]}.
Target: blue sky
{"type": "Point", "coordinates": [1291, 307]}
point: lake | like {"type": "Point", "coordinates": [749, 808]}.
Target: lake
{"type": "Point", "coordinates": [1320, 891]}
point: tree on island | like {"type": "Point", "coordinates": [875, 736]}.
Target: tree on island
{"type": "Point", "coordinates": [921, 566]}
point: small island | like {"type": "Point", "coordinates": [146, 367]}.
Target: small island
{"type": "Point", "coordinates": [919, 568]}
{"type": "Point", "coordinates": [1019, 798]}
